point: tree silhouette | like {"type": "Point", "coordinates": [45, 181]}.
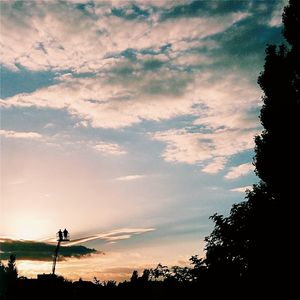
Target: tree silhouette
{"type": "Point", "coordinates": [11, 266]}
{"type": "Point", "coordinates": [255, 242]}
{"type": "Point", "coordinates": [134, 276]}
{"type": "Point", "coordinates": [277, 158]}
{"type": "Point", "coordinates": [3, 283]}
{"type": "Point", "coordinates": [8, 277]}
{"type": "Point", "coordinates": [145, 276]}
{"type": "Point", "coordinates": [160, 272]}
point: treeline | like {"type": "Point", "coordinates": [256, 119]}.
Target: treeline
{"type": "Point", "coordinates": [161, 282]}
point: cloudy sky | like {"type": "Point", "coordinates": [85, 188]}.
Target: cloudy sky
{"type": "Point", "coordinates": [128, 122]}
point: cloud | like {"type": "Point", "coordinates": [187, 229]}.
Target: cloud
{"type": "Point", "coordinates": [130, 177]}
{"type": "Point", "coordinates": [113, 235]}
{"type": "Point", "coordinates": [49, 125]}
{"type": "Point", "coordinates": [241, 189]}
{"type": "Point", "coordinates": [215, 166]}
{"type": "Point", "coordinates": [109, 148]}
{"type": "Point", "coordinates": [118, 237]}
{"type": "Point", "coordinates": [203, 8]}
{"type": "Point", "coordinates": [276, 16]}
{"type": "Point", "coordinates": [189, 147]}
{"type": "Point", "coordinates": [57, 39]}
{"type": "Point", "coordinates": [102, 147]}
{"type": "Point", "coordinates": [20, 134]}
{"type": "Point", "coordinates": [235, 47]}
{"type": "Point", "coordinates": [148, 96]}
{"type": "Point", "coordinates": [120, 103]}
{"type": "Point", "coordinates": [188, 59]}
{"type": "Point", "coordinates": [225, 124]}
{"type": "Point", "coordinates": [241, 170]}
{"type": "Point", "coordinates": [223, 111]}
{"type": "Point", "coordinates": [30, 250]}
{"type": "Point", "coordinates": [121, 91]}
{"type": "Point", "coordinates": [144, 62]}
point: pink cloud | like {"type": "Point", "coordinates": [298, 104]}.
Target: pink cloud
{"type": "Point", "coordinates": [20, 134]}
{"type": "Point", "coordinates": [241, 170]}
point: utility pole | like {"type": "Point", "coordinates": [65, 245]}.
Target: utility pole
{"type": "Point", "coordinates": [62, 236]}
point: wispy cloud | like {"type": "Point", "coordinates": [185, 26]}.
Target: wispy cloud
{"type": "Point", "coordinates": [215, 166]}
{"type": "Point", "coordinates": [225, 125]}
{"type": "Point", "coordinates": [276, 16]}
{"type": "Point", "coordinates": [241, 170]}
{"type": "Point", "coordinates": [241, 189]}
{"type": "Point", "coordinates": [113, 235]}
{"type": "Point", "coordinates": [130, 177]}
{"type": "Point", "coordinates": [20, 134]}
{"type": "Point", "coordinates": [121, 104]}
{"type": "Point", "coordinates": [189, 147]}
{"type": "Point", "coordinates": [118, 237]}
{"type": "Point", "coordinates": [218, 109]}
{"type": "Point", "coordinates": [49, 125]}
{"type": "Point", "coordinates": [109, 148]}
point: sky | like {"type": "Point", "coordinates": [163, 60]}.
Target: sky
{"type": "Point", "coordinates": [129, 123]}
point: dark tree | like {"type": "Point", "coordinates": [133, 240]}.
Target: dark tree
{"type": "Point", "coordinates": [145, 277]}
{"type": "Point", "coordinates": [277, 159]}
{"type": "Point", "coordinates": [8, 277]}
{"type": "Point", "coordinates": [256, 242]}
{"type": "Point", "coordinates": [160, 272]}
{"type": "Point", "coordinates": [134, 277]}
{"type": "Point", "coordinates": [11, 266]}
{"type": "Point", "coordinates": [3, 281]}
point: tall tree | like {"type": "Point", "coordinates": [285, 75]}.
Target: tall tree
{"type": "Point", "coordinates": [277, 148]}
{"type": "Point", "coordinates": [277, 159]}
{"type": "Point", "coordinates": [256, 240]}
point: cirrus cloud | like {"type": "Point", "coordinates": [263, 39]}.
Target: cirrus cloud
{"type": "Point", "coordinates": [20, 134]}
{"type": "Point", "coordinates": [113, 235]}
{"type": "Point", "coordinates": [109, 148]}
{"type": "Point", "coordinates": [130, 177]}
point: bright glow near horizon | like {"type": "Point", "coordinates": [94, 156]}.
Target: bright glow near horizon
{"type": "Point", "coordinates": [114, 264]}
{"type": "Point", "coordinates": [125, 116]}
